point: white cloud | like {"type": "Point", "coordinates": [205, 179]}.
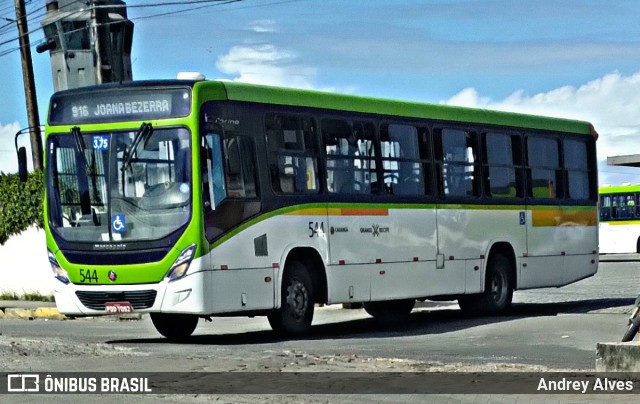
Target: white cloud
{"type": "Point", "coordinates": [262, 26]}
{"type": "Point", "coordinates": [611, 103]}
{"type": "Point", "coordinates": [269, 65]}
{"type": "Point", "coordinates": [266, 64]}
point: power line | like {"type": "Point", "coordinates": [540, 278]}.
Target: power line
{"type": "Point", "coordinates": [212, 3]}
{"type": "Point", "coordinates": [220, 3]}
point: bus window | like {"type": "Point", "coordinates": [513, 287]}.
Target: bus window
{"type": "Point", "coordinates": [543, 160]}
{"type": "Point", "coordinates": [576, 164]}
{"type": "Point", "coordinates": [605, 207]}
{"type": "Point", "coordinates": [457, 153]}
{"type": "Point", "coordinates": [403, 172]}
{"type": "Point", "coordinates": [293, 153]}
{"type": "Point", "coordinates": [215, 169]}
{"type": "Point", "coordinates": [240, 171]}
{"type": "Point", "coordinates": [349, 146]}
{"type": "Point", "coordinates": [502, 154]}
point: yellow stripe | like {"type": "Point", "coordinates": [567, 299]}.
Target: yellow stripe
{"type": "Point", "coordinates": [364, 212]}
{"type": "Point", "coordinates": [563, 217]}
{"type": "Point", "coordinates": [541, 217]}
{"type": "Point", "coordinates": [340, 212]}
{"type": "Point", "coordinates": [309, 211]}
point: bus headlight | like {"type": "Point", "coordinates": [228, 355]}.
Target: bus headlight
{"type": "Point", "coordinates": [180, 267]}
{"type": "Point", "coordinates": [59, 273]}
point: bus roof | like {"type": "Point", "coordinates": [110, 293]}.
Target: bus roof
{"type": "Point", "coordinates": [235, 91]}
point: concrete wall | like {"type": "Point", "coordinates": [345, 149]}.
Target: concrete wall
{"type": "Point", "coordinates": [24, 266]}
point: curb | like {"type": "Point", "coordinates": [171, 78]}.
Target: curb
{"type": "Point", "coordinates": [618, 357]}
{"type": "Point", "coordinates": [30, 314]}
{"type": "Point", "coordinates": [52, 313]}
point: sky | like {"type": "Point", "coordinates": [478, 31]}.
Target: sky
{"type": "Point", "coordinates": [568, 58]}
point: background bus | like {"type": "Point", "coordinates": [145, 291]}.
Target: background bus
{"type": "Point", "coordinates": [620, 219]}
{"type": "Point", "coordinates": [189, 199]}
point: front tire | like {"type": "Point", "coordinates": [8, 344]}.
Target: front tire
{"type": "Point", "coordinates": [297, 298]}
{"type": "Point", "coordinates": [174, 326]}
{"type": "Point", "coordinates": [498, 290]}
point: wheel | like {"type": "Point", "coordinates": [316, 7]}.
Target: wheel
{"type": "Point", "coordinates": [498, 290]}
{"type": "Point", "coordinates": [631, 332]}
{"type": "Point", "coordinates": [296, 308]}
{"type": "Point", "coordinates": [392, 310]}
{"type": "Point", "coordinates": [174, 326]}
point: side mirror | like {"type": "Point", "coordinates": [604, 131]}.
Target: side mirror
{"type": "Point", "coordinates": [22, 164]}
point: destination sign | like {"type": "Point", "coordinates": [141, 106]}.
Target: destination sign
{"type": "Point", "coordinates": [119, 105]}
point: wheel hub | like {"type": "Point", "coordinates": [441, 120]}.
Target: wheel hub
{"type": "Point", "coordinates": [297, 300]}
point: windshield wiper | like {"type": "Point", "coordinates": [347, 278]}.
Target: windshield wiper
{"type": "Point", "coordinates": [143, 135]}
{"type": "Point", "coordinates": [80, 147]}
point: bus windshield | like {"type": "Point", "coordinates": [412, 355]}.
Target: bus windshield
{"type": "Point", "coordinates": [119, 185]}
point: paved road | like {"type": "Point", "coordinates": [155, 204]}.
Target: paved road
{"type": "Point", "coordinates": [548, 329]}
{"type": "Point", "coordinates": [567, 322]}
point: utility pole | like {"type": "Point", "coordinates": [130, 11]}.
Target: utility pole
{"type": "Point", "coordinates": [100, 27]}
{"type": "Point", "coordinates": [29, 85]}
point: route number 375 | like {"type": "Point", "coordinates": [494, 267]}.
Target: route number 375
{"type": "Point", "coordinates": [316, 228]}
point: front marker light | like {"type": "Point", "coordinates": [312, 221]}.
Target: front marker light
{"type": "Point", "coordinates": [59, 273]}
{"type": "Point", "coordinates": [181, 265]}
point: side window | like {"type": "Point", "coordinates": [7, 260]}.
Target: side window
{"type": "Point", "coordinates": [502, 153]}
{"type": "Point", "coordinates": [214, 169]}
{"type": "Point", "coordinates": [228, 168]}
{"type": "Point", "coordinates": [350, 153]}
{"type": "Point", "coordinates": [623, 206]}
{"type": "Point", "coordinates": [544, 174]}
{"type": "Point", "coordinates": [605, 207]}
{"type": "Point", "coordinates": [239, 166]}
{"type": "Point", "coordinates": [293, 153]}
{"type": "Point", "coordinates": [576, 163]}
{"type": "Point", "coordinates": [457, 154]}
{"type": "Point", "coordinates": [403, 151]}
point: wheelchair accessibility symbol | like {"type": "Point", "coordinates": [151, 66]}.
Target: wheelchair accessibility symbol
{"type": "Point", "coordinates": [118, 223]}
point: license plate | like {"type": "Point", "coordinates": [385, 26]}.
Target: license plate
{"type": "Point", "coordinates": [118, 308]}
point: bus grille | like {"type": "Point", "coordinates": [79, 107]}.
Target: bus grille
{"type": "Point", "coordinates": [139, 299]}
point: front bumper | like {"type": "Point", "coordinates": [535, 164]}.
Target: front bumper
{"type": "Point", "coordinates": [185, 295]}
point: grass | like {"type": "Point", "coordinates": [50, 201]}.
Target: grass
{"type": "Point", "coordinates": [29, 296]}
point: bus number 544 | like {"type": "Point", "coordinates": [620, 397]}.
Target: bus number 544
{"type": "Point", "coordinates": [88, 275]}
{"type": "Point", "coordinates": [316, 228]}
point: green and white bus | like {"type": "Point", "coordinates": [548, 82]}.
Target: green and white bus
{"type": "Point", "coordinates": [620, 219]}
{"type": "Point", "coordinates": [193, 199]}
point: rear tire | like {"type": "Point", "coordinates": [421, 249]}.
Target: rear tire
{"type": "Point", "coordinates": [498, 290]}
{"type": "Point", "coordinates": [174, 326]}
{"type": "Point", "coordinates": [296, 306]}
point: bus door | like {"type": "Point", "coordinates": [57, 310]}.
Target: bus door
{"type": "Point", "coordinates": [402, 234]}
{"type": "Point", "coordinates": [460, 229]}
{"type": "Point", "coordinates": [351, 177]}
{"type": "Point", "coordinates": [504, 219]}
{"type": "Point", "coordinates": [546, 237]}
